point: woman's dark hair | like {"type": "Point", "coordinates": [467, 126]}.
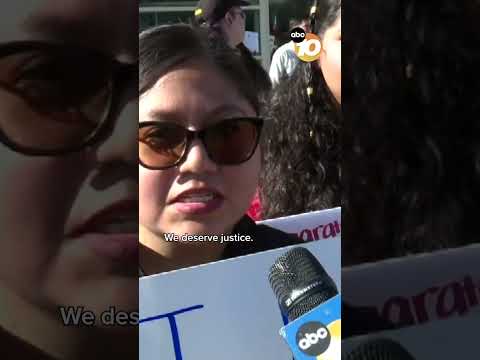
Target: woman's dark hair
{"type": "Point", "coordinates": [302, 144]}
{"type": "Point", "coordinates": [412, 135]}
{"type": "Point", "coordinates": [326, 14]}
{"type": "Point", "coordinates": [165, 47]}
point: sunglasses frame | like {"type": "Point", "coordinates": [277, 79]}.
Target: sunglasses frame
{"type": "Point", "coordinates": [119, 74]}
{"type": "Point", "coordinates": [191, 135]}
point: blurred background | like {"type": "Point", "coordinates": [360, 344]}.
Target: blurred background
{"type": "Point", "coordinates": [267, 22]}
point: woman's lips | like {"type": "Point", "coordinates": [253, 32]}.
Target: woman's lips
{"type": "Point", "coordinates": [112, 232]}
{"type": "Point", "coordinates": [118, 247]}
{"type": "Point", "coordinates": [198, 203]}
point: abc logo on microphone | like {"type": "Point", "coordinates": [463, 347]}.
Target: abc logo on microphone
{"type": "Point", "coordinates": [319, 340]}
{"type": "Point", "coordinates": [307, 46]}
{"type": "Point", "coordinates": [313, 338]}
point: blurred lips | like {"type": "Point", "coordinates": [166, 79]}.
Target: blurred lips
{"type": "Point", "coordinates": [112, 232]}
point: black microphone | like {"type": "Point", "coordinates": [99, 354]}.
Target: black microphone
{"type": "Point", "coordinates": [309, 298]}
{"type": "Point", "coordinates": [300, 282]}
{"type": "Point", "coordinates": [379, 349]}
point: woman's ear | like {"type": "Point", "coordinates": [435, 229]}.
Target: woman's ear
{"type": "Point", "coordinates": [229, 18]}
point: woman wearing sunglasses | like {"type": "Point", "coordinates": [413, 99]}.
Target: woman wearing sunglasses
{"type": "Point", "coordinates": [68, 179]}
{"type": "Point", "coordinates": [199, 152]}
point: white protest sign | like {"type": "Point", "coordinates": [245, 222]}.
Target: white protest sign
{"type": "Point", "coordinates": [418, 289]}
{"type": "Point", "coordinates": [221, 310]}
{"type": "Point", "coordinates": [252, 42]}
{"type": "Point", "coordinates": [315, 225]}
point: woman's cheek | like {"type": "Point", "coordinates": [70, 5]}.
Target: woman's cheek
{"type": "Point", "coordinates": [242, 188]}
{"type": "Point", "coordinates": [330, 63]}
{"type": "Point", "coordinates": [37, 194]}
{"type": "Point", "coordinates": [337, 61]}
{"type": "Point", "coordinates": [154, 186]}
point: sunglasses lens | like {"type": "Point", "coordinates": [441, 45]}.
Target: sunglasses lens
{"type": "Point", "coordinates": [52, 99]}
{"type": "Point", "coordinates": [232, 141]}
{"type": "Point", "coordinates": [161, 145]}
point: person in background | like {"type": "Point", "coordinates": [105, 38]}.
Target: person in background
{"type": "Point", "coordinates": [284, 59]}
{"type": "Point", "coordinates": [302, 160]}
{"type": "Point", "coordinates": [226, 16]}
{"type": "Point", "coordinates": [226, 19]}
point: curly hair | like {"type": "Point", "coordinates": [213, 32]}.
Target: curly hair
{"type": "Point", "coordinates": [301, 149]}
{"type": "Point", "coordinates": [411, 173]}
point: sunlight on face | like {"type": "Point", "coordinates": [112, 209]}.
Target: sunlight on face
{"type": "Point", "coordinates": [195, 96]}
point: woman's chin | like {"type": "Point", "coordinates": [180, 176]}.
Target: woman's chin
{"type": "Point", "coordinates": [199, 236]}
{"type": "Point", "coordinates": [107, 296]}
{"type": "Point", "coordinates": [214, 225]}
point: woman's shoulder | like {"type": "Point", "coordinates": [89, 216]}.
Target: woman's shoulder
{"type": "Point", "coordinates": [273, 238]}
{"type": "Point", "coordinates": [260, 238]}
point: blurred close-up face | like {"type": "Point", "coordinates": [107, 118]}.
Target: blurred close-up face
{"type": "Point", "coordinates": [331, 59]}
{"type": "Point", "coordinates": [196, 196]}
{"type": "Point", "coordinates": [67, 219]}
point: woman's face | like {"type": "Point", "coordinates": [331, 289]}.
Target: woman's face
{"type": "Point", "coordinates": [179, 199]}
{"type": "Point", "coordinates": [330, 60]}
{"type": "Point", "coordinates": [63, 218]}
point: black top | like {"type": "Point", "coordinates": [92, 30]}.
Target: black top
{"type": "Point", "coordinates": [264, 238]}
{"type": "Point", "coordinates": [12, 347]}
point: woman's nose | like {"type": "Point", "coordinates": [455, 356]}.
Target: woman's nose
{"type": "Point", "coordinates": [121, 145]}
{"type": "Point", "coordinates": [197, 160]}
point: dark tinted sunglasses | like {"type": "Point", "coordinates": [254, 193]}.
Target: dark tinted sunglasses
{"type": "Point", "coordinates": [57, 98]}
{"type": "Point", "coordinates": [164, 145]}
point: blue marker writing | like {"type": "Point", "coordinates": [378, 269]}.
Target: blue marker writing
{"type": "Point", "coordinates": [173, 326]}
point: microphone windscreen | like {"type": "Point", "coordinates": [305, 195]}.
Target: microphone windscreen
{"type": "Point", "coordinates": [300, 283]}
{"type": "Point", "coordinates": [379, 349]}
